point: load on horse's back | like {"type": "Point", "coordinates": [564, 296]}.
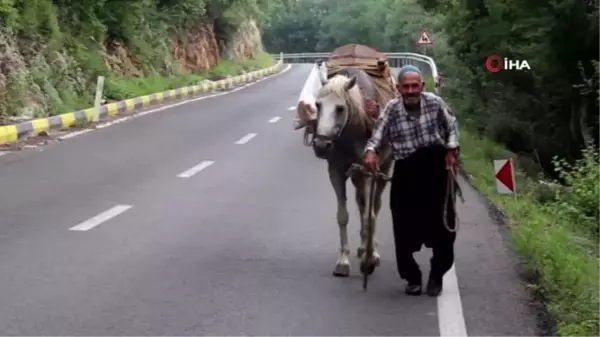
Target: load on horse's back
{"type": "Point", "coordinates": [341, 126]}
{"type": "Point", "coordinates": [374, 63]}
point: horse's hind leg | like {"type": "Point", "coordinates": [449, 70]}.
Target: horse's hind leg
{"type": "Point", "coordinates": [338, 180]}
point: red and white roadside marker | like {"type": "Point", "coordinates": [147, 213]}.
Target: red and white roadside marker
{"type": "Point", "coordinates": [505, 176]}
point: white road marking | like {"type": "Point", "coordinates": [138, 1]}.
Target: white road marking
{"type": "Point", "coordinates": [274, 119]}
{"type": "Point", "coordinates": [450, 311]}
{"type": "Point", "coordinates": [246, 138]}
{"type": "Point", "coordinates": [100, 218]}
{"type": "Point", "coordinates": [3, 153]}
{"type": "Point", "coordinates": [195, 169]}
{"type": "Point", "coordinates": [292, 108]}
{"type": "Point", "coordinates": [74, 134]}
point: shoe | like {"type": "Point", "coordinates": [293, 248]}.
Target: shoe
{"type": "Point", "coordinates": [413, 289]}
{"type": "Point", "coordinates": [434, 287]}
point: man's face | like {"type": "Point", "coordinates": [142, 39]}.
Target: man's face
{"type": "Point", "coordinates": [410, 87]}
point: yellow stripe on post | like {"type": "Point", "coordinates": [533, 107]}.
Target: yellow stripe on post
{"type": "Point", "coordinates": [8, 134]}
{"type": "Point", "coordinates": [112, 109]}
{"type": "Point", "coordinates": [172, 94]}
{"type": "Point", "coordinates": [67, 119]}
{"type": "Point", "coordinates": [40, 125]}
{"type": "Point", "coordinates": [89, 114]}
{"type": "Point", "coordinates": [146, 100]}
{"type": "Point", "coordinates": [159, 96]}
{"type": "Point", "coordinates": [130, 104]}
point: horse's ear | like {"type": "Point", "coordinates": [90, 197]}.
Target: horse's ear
{"type": "Point", "coordinates": [350, 83]}
{"type": "Point", "coordinates": [322, 76]}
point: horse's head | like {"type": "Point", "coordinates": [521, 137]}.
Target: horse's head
{"type": "Point", "coordinates": [337, 102]}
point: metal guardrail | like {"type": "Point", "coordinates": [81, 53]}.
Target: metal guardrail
{"type": "Point", "coordinates": [395, 60]}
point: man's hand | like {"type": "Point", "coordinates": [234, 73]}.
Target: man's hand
{"type": "Point", "coordinates": [305, 111]}
{"type": "Point", "coordinates": [451, 159]}
{"type": "Point", "coordinates": [371, 161]}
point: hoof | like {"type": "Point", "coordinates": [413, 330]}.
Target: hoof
{"type": "Point", "coordinates": [360, 252]}
{"type": "Point", "coordinates": [376, 259]}
{"type": "Point", "coordinates": [341, 270]}
{"type": "Point", "coordinates": [367, 268]}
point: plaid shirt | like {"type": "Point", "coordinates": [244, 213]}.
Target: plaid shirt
{"type": "Point", "coordinates": [436, 125]}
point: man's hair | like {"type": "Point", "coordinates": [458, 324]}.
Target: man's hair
{"type": "Point", "coordinates": [408, 69]}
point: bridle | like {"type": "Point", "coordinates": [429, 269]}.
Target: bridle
{"type": "Point", "coordinates": [310, 131]}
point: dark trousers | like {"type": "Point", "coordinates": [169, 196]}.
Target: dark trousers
{"type": "Point", "coordinates": [417, 199]}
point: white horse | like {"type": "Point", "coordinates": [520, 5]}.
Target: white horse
{"type": "Point", "coordinates": [341, 130]}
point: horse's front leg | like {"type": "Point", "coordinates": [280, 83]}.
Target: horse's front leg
{"type": "Point", "coordinates": [363, 191]}
{"type": "Point", "coordinates": [338, 181]}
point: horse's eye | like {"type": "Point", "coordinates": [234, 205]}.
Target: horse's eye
{"type": "Point", "coordinates": [339, 109]}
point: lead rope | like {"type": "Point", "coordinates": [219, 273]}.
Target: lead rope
{"type": "Point", "coordinates": [451, 191]}
{"type": "Point", "coordinates": [308, 135]}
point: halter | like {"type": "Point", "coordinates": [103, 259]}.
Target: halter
{"type": "Point", "coordinates": [310, 131]}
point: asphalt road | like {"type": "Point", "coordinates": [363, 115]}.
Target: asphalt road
{"type": "Point", "coordinates": [245, 246]}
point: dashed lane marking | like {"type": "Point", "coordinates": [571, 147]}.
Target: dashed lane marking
{"type": "Point", "coordinates": [191, 172]}
{"type": "Point", "coordinates": [246, 138]}
{"type": "Point", "coordinates": [101, 218]}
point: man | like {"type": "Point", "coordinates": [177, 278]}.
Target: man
{"type": "Point", "coordinates": [424, 136]}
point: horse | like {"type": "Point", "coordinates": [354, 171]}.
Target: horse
{"type": "Point", "coordinates": [341, 129]}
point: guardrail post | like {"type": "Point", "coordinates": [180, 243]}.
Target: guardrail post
{"type": "Point", "coordinates": [98, 99]}
{"type": "Point", "coordinates": [281, 56]}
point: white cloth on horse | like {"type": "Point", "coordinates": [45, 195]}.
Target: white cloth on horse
{"type": "Point", "coordinates": [308, 96]}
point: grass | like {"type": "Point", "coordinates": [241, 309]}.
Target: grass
{"type": "Point", "coordinates": [121, 88]}
{"type": "Point", "coordinates": [559, 246]}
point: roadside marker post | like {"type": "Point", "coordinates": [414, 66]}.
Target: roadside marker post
{"type": "Point", "coordinates": [98, 98]}
{"type": "Point", "coordinates": [505, 176]}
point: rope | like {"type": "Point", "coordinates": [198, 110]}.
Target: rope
{"type": "Point", "coordinates": [452, 189]}
{"type": "Point", "coordinates": [308, 135]}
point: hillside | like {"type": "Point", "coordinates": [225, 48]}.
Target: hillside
{"type": "Point", "coordinates": [53, 50]}
{"type": "Point", "coordinates": [533, 117]}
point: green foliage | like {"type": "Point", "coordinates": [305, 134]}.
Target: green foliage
{"type": "Point", "coordinates": [121, 88]}
{"type": "Point", "coordinates": [579, 203]}
{"type": "Point", "coordinates": [64, 44]}
{"type": "Point", "coordinates": [318, 25]}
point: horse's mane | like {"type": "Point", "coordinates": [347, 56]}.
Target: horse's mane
{"type": "Point", "coordinates": [353, 98]}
